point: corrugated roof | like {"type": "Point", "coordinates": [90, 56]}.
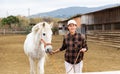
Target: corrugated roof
{"type": "Point", "coordinates": [103, 9]}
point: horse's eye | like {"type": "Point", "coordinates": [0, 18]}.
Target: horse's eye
{"type": "Point", "coordinates": [43, 34]}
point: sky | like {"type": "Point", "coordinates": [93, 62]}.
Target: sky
{"type": "Point", "coordinates": [30, 7]}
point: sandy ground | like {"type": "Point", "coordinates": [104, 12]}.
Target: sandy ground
{"type": "Point", "coordinates": [14, 61]}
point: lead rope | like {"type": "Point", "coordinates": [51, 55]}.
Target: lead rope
{"type": "Point", "coordinates": [74, 63]}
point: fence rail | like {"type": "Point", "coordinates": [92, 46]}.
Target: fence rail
{"type": "Point", "coordinates": [9, 31]}
{"type": "Point", "coordinates": [109, 38]}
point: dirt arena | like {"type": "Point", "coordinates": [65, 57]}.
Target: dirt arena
{"type": "Point", "coordinates": [14, 61]}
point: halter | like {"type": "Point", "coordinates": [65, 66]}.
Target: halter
{"type": "Point", "coordinates": [45, 44]}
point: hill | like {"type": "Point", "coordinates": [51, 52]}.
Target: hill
{"type": "Point", "coordinates": [70, 11]}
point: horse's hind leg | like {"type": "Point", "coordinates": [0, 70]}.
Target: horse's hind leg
{"type": "Point", "coordinates": [41, 65]}
{"type": "Point", "coordinates": [32, 66]}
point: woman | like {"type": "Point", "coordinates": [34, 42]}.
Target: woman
{"type": "Point", "coordinates": [75, 46]}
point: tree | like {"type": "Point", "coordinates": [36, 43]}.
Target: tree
{"type": "Point", "coordinates": [55, 30]}
{"type": "Point", "coordinates": [47, 19]}
{"type": "Point", "coordinates": [4, 21]}
{"type": "Point", "coordinates": [10, 20]}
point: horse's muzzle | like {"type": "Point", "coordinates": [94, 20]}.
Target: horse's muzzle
{"type": "Point", "coordinates": [48, 49]}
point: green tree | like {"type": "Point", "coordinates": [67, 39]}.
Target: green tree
{"type": "Point", "coordinates": [55, 30]}
{"type": "Point", "coordinates": [4, 21]}
{"type": "Point", "coordinates": [10, 20]}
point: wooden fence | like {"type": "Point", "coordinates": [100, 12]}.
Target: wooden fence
{"type": "Point", "coordinates": [10, 31]}
{"type": "Point", "coordinates": [110, 38]}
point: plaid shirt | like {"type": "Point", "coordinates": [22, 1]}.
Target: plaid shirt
{"type": "Point", "coordinates": [72, 44]}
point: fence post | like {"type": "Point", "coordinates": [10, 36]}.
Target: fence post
{"type": "Point", "coordinates": [4, 31]}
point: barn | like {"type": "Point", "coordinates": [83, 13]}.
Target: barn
{"type": "Point", "coordinates": [103, 24]}
{"type": "Point", "coordinates": [106, 20]}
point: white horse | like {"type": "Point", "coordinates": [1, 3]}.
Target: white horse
{"type": "Point", "coordinates": [37, 43]}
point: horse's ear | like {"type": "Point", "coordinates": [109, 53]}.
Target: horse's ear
{"type": "Point", "coordinates": [51, 24]}
{"type": "Point", "coordinates": [43, 24]}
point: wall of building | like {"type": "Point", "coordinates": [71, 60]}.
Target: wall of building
{"type": "Point", "coordinates": [104, 20]}
{"type": "Point", "coordinates": [78, 21]}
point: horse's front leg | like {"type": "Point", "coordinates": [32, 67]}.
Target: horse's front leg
{"type": "Point", "coordinates": [32, 66]}
{"type": "Point", "coordinates": [41, 65]}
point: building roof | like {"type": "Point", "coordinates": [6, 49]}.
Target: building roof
{"type": "Point", "coordinates": [117, 6]}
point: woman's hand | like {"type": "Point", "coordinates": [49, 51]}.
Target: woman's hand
{"type": "Point", "coordinates": [55, 51]}
{"type": "Point", "coordinates": [83, 50]}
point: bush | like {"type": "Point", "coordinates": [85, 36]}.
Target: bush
{"type": "Point", "coordinates": [55, 30]}
{"type": "Point", "coordinates": [28, 29]}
